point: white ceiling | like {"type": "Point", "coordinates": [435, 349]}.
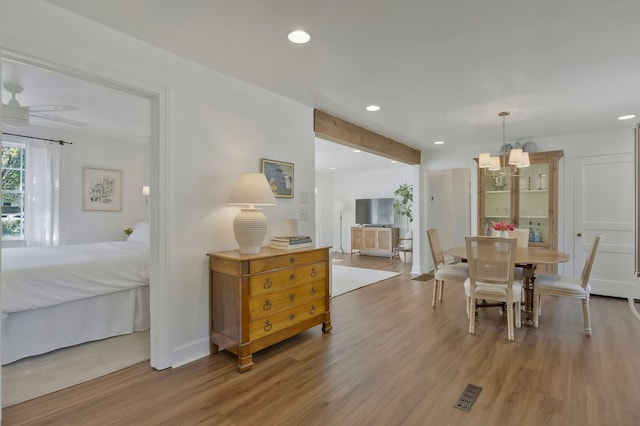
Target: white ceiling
{"type": "Point", "coordinates": [439, 70]}
{"type": "Point", "coordinates": [105, 111]}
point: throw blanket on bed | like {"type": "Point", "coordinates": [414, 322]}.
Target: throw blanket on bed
{"type": "Point", "coordinates": [37, 277]}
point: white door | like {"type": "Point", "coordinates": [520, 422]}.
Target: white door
{"type": "Point", "coordinates": [449, 205]}
{"type": "Point", "coordinates": [604, 204]}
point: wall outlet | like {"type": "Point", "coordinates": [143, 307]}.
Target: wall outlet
{"type": "Point", "coordinates": [304, 214]}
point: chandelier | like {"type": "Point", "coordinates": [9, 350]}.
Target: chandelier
{"type": "Point", "coordinates": [518, 158]}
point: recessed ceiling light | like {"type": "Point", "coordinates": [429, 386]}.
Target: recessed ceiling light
{"type": "Point", "coordinates": [626, 117]}
{"type": "Point", "coordinates": [299, 37]}
{"type": "Point", "coordinates": [332, 168]}
{"type": "Point", "coordinates": [373, 108]}
{"type": "Point", "coordinates": [357, 150]}
{"type": "Point", "coordinates": [393, 161]}
{"type": "Point", "coordinates": [438, 142]}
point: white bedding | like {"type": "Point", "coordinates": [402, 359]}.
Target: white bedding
{"type": "Point", "coordinates": [38, 277]}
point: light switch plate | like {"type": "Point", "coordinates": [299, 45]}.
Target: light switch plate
{"type": "Point", "coordinates": [304, 197]}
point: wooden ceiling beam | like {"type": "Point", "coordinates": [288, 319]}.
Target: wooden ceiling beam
{"type": "Point", "coordinates": [339, 131]}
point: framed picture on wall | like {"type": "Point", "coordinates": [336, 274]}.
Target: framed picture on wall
{"type": "Point", "coordinates": [280, 177]}
{"type": "Point", "coordinates": [101, 190]}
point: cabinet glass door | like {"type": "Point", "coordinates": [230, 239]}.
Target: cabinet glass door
{"type": "Point", "coordinates": [497, 198]}
{"type": "Point", "coordinates": [533, 206]}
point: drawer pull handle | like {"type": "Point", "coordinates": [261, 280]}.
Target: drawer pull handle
{"type": "Point", "coordinates": [313, 291]}
{"type": "Point", "coordinates": [313, 272]}
{"type": "Point", "coordinates": [268, 326]}
{"type": "Point", "coordinates": [292, 260]}
{"type": "Point", "coordinates": [267, 305]}
{"type": "Point", "coordinates": [292, 316]}
{"type": "Point", "coordinates": [292, 296]}
{"type": "Point", "coordinates": [292, 277]}
{"type": "Point", "coordinates": [267, 283]}
{"type": "Point", "coordinates": [312, 310]}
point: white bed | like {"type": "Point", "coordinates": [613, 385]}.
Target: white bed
{"type": "Point", "coordinates": [54, 297]}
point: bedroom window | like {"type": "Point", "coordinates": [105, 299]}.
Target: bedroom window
{"type": "Point", "coordinates": [13, 177]}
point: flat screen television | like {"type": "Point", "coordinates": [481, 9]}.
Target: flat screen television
{"type": "Point", "coordinates": [374, 211]}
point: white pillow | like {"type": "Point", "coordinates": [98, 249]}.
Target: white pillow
{"type": "Point", "coordinates": [141, 234]}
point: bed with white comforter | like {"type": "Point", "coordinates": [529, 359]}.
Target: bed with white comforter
{"type": "Point", "coordinates": [54, 297]}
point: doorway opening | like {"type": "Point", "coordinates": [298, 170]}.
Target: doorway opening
{"type": "Point", "coordinates": [26, 72]}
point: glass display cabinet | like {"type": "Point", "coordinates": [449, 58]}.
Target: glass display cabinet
{"type": "Point", "coordinates": [526, 197]}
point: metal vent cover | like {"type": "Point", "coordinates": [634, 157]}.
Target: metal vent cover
{"type": "Point", "coordinates": [468, 397]}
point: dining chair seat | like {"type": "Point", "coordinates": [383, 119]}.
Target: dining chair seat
{"type": "Point", "coordinates": [452, 272]}
{"type": "Point", "coordinates": [442, 271]}
{"type": "Point", "coordinates": [491, 290]}
{"type": "Point", "coordinates": [558, 285]}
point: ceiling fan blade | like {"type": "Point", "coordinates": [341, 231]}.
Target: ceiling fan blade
{"type": "Point", "coordinates": [59, 119]}
{"type": "Point", "coordinates": [47, 108]}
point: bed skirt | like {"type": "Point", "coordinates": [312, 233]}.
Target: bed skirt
{"type": "Point", "coordinates": [38, 331]}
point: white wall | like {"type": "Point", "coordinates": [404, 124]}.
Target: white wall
{"type": "Point", "coordinates": [346, 188]}
{"type": "Point", "coordinates": [448, 207]}
{"type": "Point", "coordinates": [326, 223]}
{"type": "Point", "coordinates": [218, 127]}
{"type": "Point", "coordinates": [132, 159]}
{"type": "Point", "coordinates": [95, 151]}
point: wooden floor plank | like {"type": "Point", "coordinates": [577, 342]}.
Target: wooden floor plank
{"type": "Point", "coordinates": [391, 359]}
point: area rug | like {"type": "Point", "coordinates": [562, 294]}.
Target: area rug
{"type": "Point", "coordinates": [39, 375]}
{"type": "Point", "coordinates": [346, 279]}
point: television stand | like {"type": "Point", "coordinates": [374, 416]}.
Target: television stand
{"type": "Point", "coordinates": [374, 240]}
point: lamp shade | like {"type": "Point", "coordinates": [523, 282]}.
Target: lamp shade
{"type": "Point", "coordinates": [145, 190]}
{"type": "Point", "coordinates": [515, 157]}
{"type": "Point", "coordinates": [250, 225]}
{"type": "Point", "coordinates": [484, 160]}
{"type": "Point", "coordinates": [495, 164]}
{"type": "Point", "coordinates": [252, 189]}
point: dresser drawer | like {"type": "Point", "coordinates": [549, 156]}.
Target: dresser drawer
{"type": "Point", "coordinates": [280, 321]}
{"type": "Point", "coordinates": [269, 303]}
{"type": "Point", "coordinates": [274, 281]}
{"type": "Point", "coordinates": [286, 260]}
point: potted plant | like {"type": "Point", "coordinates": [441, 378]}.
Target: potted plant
{"type": "Point", "coordinates": [403, 203]}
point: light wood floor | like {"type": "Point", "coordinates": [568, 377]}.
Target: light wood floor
{"type": "Point", "coordinates": [391, 359]}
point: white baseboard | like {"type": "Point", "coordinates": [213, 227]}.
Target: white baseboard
{"type": "Point", "coordinates": [189, 352]}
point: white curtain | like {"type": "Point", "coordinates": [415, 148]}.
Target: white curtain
{"type": "Point", "coordinates": [42, 194]}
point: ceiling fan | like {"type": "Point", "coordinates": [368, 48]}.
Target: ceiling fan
{"type": "Point", "coordinates": [13, 114]}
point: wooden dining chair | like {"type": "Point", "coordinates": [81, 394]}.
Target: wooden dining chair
{"type": "Point", "coordinates": [491, 266]}
{"type": "Point", "coordinates": [568, 286]}
{"type": "Point", "coordinates": [456, 272]}
{"type": "Point", "coordinates": [522, 235]}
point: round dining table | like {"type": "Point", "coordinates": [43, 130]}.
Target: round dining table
{"type": "Point", "coordinates": [527, 258]}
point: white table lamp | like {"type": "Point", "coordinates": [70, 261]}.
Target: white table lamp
{"type": "Point", "coordinates": [250, 225]}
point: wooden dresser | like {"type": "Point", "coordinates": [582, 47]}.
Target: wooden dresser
{"type": "Point", "coordinates": [257, 300]}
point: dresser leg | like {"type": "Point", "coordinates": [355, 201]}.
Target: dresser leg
{"type": "Point", "coordinates": [214, 348]}
{"type": "Point", "coordinates": [326, 325]}
{"type": "Point", "coordinates": [245, 363]}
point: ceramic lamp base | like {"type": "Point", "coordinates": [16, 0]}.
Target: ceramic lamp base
{"type": "Point", "coordinates": [250, 228]}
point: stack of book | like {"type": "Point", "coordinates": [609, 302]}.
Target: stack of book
{"type": "Point", "coordinates": [291, 242]}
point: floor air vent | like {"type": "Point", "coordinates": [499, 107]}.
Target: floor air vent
{"type": "Point", "coordinates": [468, 397]}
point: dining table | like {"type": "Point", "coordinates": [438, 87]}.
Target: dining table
{"type": "Point", "coordinates": [527, 258]}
